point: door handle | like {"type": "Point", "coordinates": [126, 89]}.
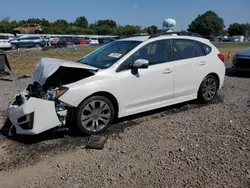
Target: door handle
{"type": "Point", "coordinates": [167, 71]}
{"type": "Point", "coordinates": [202, 63]}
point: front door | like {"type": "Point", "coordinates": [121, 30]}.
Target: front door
{"type": "Point", "coordinates": [152, 87]}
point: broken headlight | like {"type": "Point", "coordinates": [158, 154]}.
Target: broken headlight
{"type": "Point", "coordinates": [55, 93]}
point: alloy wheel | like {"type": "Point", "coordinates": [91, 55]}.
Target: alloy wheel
{"type": "Point", "coordinates": [209, 88]}
{"type": "Point", "coordinates": [95, 116]}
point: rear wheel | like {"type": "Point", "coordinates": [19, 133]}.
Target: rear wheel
{"type": "Point", "coordinates": [94, 115]}
{"type": "Point", "coordinates": [208, 89]}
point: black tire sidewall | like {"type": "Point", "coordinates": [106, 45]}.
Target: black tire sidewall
{"type": "Point", "coordinates": [200, 95]}
{"type": "Point", "coordinates": [83, 104]}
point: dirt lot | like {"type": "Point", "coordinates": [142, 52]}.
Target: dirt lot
{"type": "Point", "coordinates": [186, 145]}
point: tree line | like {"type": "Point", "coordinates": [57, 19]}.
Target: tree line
{"type": "Point", "coordinates": [208, 25]}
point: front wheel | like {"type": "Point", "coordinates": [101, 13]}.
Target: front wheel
{"type": "Point", "coordinates": [94, 115]}
{"type": "Point", "coordinates": [208, 89]}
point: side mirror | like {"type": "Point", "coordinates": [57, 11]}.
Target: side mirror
{"type": "Point", "coordinates": [140, 64]}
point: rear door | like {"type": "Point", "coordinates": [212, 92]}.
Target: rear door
{"type": "Point", "coordinates": [190, 67]}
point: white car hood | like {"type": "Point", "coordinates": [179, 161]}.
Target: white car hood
{"type": "Point", "coordinates": [48, 66]}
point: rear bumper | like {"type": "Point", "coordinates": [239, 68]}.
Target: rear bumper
{"type": "Point", "coordinates": [34, 116]}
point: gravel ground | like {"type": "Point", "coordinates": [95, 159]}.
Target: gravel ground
{"type": "Point", "coordinates": [186, 145]}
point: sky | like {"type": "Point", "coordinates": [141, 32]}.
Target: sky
{"type": "Point", "coordinates": [134, 12]}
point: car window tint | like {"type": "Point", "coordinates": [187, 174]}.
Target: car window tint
{"type": "Point", "coordinates": [4, 37]}
{"type": "Point", "coordinates": [156, 52]}
{"type": "Point", "coordinates": [207, 49]}
{"type": "Point", "coordinates": [199, 50]}
{"type": "Point", "coordinates": [183, 49]}
{"type": "Point", "coordinates": [32, 38]}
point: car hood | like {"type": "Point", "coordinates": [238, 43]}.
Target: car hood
{"type": "Point", "coordinates": [245, 52]}
{"type": "Point", "coordinates": [63, 71]}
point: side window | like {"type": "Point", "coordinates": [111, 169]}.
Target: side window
{"type": "Point", "coordinates": [199, 49]}
{"type": "Point", "coordinates": [207, 49]}
{"type": "Point", "coordinates": [183, 49]}
{"type": "Point", "coordinates": [156, 52]}
{"type": "Point", "coordinates": [25, 38]}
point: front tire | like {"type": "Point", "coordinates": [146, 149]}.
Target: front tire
{"type": "Point", "coordinates": [94, 115]}
{"type": "Point", "coordinates": [208, 89]}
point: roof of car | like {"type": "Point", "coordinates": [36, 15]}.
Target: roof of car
{"type": "Point", "coordinates": [164, 36]}
{"type": "Point", "coordinates": [137, 38]}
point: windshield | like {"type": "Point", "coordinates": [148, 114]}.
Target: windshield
{"type": "Point", "coordinates": [109, 54]}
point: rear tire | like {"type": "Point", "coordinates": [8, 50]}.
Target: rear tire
{"type": "Point", "coordinates": [94, 115]}
{"type": "Point", "coordinates": [208, 89]}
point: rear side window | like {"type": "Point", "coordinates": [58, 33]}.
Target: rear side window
{"type": "Point", "coordinates": [199, 49]}
{"type": "Point", "coordinates": [183, 49]}
{"type": "Point", "coordinates": [207, 49]}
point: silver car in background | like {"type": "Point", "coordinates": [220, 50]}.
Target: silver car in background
{"type": "Point", "coordinates": [241, 60]}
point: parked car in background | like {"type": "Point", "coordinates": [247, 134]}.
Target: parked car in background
{"type": "Point", "coordinates": [5, 42]}
{"type": "Point", "coordinates": [241, 60]}
{"type": "Point", "coordinates": [124, 77]}
{"type": "Point", "coordinates": [81, 40]}
{"type": "Point", "coordinates": [28, 29]}
{"type": "Point", "coordinates": [54, 40]}
{"type": "Point", "coordinates": [92, 40]}
{"type": "Point", "coordinates": [64, 41]}
{"type": "Point", "coordinates": [28, 42]}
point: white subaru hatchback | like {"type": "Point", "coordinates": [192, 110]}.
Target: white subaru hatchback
{"type": "Point", "coordinates": [124, 77]}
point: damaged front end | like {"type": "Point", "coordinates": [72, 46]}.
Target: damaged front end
{"type": "Point", "coordinates": [38, 108]}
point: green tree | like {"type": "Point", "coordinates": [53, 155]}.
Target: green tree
{"type": "Point", "coordinates": [128, 30]}
{"type": "Point", "coordinates": [104, 30]}
{"type": "Point", "coordinates": [81, 22]}
{"type": "Point", "coordinates": [61, 23]}
{"type": "Point", "coordinates": [208, 24]}
{"type": "Point", "coordinates": [152, 29]}
{"type": "Point", "coordinates": [110, 23]}
{"type": "Point", "coordinates": [239, 29]}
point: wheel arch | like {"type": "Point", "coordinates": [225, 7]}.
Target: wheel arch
{"type": "Point", "coordinates": [216, 76]}
{"type": "Point", "coordinates": [213, 74]}
{"type": "Point", "coordinates": [108, 95]}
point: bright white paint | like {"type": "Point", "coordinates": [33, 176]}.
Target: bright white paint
{"type": "Point", "coordinates": [158, 86]}
{"type": "Point", "coordinates": [45, 116]}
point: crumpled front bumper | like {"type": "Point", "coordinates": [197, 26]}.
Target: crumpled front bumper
{"type": "Point", "coordinates": [34, 116]}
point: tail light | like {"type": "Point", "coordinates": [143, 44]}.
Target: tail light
{"type": "Point", "coordinates": [221, 57]}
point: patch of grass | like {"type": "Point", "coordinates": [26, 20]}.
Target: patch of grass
{"type": "Point", "coordinates": [25, 62]}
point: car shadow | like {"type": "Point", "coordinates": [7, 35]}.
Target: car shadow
{"type": "Point", "coordinates": [233, 73]}
{"type": "Point", "coordinates": [119, 125]}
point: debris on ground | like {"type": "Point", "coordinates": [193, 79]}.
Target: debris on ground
{"type": "Point", "coordinates": [96, 142]}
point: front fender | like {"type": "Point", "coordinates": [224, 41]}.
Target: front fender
{"type": "Point", "coordinates": [79, 91]}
